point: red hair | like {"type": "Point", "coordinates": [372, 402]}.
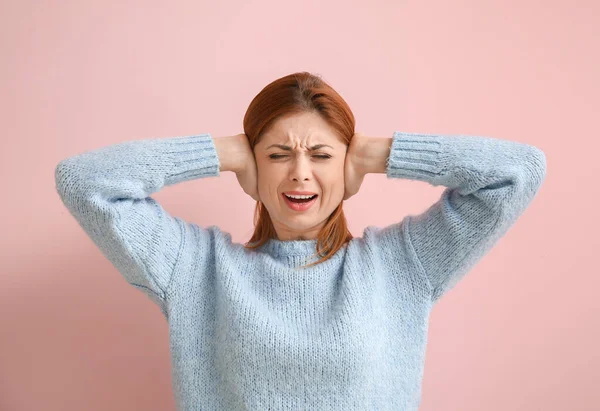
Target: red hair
{"type": "Point", "coordinates": [295, 94]}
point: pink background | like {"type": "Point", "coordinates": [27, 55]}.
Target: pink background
{"type": "Point", "coordinates": [520, 332]}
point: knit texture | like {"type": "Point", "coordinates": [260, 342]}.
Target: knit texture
{"type": "Point", "coordinates": [250, 331]}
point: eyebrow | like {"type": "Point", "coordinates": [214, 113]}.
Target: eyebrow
{"type": "Point", "coordinates": [288, 148]}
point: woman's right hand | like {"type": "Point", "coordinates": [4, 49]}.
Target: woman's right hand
{"type": "Point", "coordinates": [235, 154]}
{"type": "Point", "coordinates": [247, 174]}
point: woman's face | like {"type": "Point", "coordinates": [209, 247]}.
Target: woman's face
{"type": "Point", "coordinates": [298, 165]}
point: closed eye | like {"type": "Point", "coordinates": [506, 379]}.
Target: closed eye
{"type": "Point", "coordinates": [276, 156]}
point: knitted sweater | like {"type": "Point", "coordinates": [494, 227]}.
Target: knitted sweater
{"type": "Point", "coordinates": [247, 330]}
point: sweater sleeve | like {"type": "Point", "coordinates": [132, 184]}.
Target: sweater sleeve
{"type": "Point", "coordinates": [490, 182]}
{"type": "Point", "coordinates": [108, 190]}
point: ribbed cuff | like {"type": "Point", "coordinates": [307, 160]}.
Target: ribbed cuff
{"type": "Point", "coordinates": [192, 157]}
{"type": "Point", "coordinates": [416, 156]}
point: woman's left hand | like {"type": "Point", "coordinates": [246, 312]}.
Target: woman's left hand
{"type": "Point", "coordinates": [354, 173]}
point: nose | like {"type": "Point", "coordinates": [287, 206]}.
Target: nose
{"type": "Point", "coordinates": [300, 170]}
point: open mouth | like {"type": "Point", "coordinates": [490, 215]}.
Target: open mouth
{"type": "Point", "coordinates": [301, 200]}
{"type": "Point", "coordinates": [300, 204]}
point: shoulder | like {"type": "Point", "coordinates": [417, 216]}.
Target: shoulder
{"type": "Point", "coordinates": [224, 243]}
{"type": "Point", "coordinates": [390, 243]}
{"type": "Point", "coordinates": [385, 237]}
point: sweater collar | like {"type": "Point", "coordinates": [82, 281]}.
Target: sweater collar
{"type": "Point", "coordinates": [281, 248]}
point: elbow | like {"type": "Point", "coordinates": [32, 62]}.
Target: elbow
{"type": "Point", "coordinates": [64, 178]}
{"type": "Point", "coordinates": [537, 166]}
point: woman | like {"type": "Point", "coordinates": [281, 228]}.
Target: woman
{"type": "Point", "coordinates": [303, 316]}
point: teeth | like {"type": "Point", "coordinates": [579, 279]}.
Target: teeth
{"type": "Point", "coordinates": [300, 197]}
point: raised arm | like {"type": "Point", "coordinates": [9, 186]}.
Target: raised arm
{"type": "Point", "coordinates": [108, 190]}
{"type": "Point", "coordinates": [490, 182]}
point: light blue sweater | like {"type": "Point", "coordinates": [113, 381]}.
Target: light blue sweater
{"type": "Point", "coordinates": [249, 332]}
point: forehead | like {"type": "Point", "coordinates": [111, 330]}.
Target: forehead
{"type": "Point", "coordinates": [300, 129]}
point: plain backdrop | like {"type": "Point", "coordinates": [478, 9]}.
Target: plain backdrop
{"type": "Point", "coordinates": [519, 332]}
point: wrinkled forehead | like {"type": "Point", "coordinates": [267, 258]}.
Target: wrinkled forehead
{"type": "Point", "coordinates": [301, 135]}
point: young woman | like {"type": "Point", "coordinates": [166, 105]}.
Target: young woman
{"type": "Point", "coordinates": [303, 316]}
